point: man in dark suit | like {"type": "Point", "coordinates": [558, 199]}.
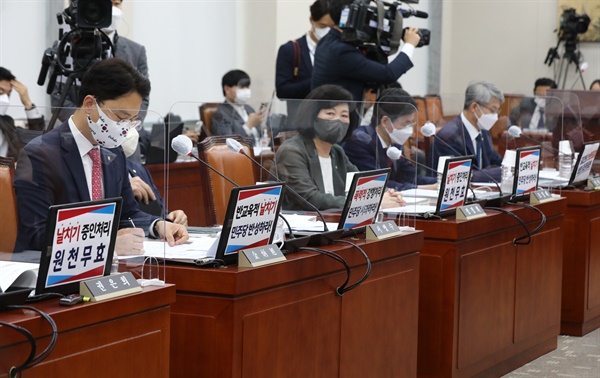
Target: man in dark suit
{"type": "Point", "coordinates": [82, 159]}
{"type": "Point", "coordinates": [468, 134]}
{"type": "Point", "coordinates": [392, 125]}
{"type": "Point", "coordinates": [338, 62]}
{"type": "Point", "coordinates": [235, 116]}
{"type": "Point", "coordinates": [293, 70]}
{"type": "Point", "coordinates": [530, 113]}
{"type": "Point", "coordinates": [10, 144]}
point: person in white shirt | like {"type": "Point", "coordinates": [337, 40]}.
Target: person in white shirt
{"type": "Point", "coordinates": [531, 112]}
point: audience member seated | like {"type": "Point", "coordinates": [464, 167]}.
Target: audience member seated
{"type": "Point", "coordinates": [295, 59]}
{"type": "Point", "coordinates": [311, 163]}
{"type": "Point", "coordinates": [144, 190]}
{"type": "Point", "coordinates": [81, 160]}
{"type": "Point", "coordinates": [392, 125]}
{"type": "Point", "coordinates": [530, 113]}
{"type": "Point", "coordinates": [10, 145]}
{"type": "Point", "coordinates": [595, 86]}
{"type": "Point", "coordinates": [468, 134]}
{"type": "Point", "coordinates": [234, 116]}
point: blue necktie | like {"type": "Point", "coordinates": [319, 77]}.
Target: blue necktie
{"type": "Point", "coordinates": [540, 124]}
{"type": "Point", "coordinates": [479, 141]}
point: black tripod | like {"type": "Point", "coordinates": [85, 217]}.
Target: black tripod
{"type": "Point", "coordinates": [571, 56]}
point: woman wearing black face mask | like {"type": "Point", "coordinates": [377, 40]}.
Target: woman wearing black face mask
{"type": "Point", "coordinates": [312, 163]}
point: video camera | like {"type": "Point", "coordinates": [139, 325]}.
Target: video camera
{"type": "Point", "coordinates": [84, 44]}
{"type": "Point", "coordinates": [378, 29]}
{"type": "Point", "coordinates": [572, 24]}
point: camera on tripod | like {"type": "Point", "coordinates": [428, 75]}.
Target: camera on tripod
{"type": "Point", "coordinates": [84, 44]}
{"type": "Point", "coordinates": [573, 24]}
{"type": "Point", "coordinates": [378, 29]}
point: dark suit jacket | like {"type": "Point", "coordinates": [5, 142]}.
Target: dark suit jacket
{"type": "Point", "coordinates": [372, 155]}
{"type": "Point", "coordinates": [521, 114]}
{"type": "Point", "coordinates": [458, 143]}
{"type": "Point", "coordinates": [298, 165]}
{"type": "Point", "coordinates": [50, 172]}
{"type": "Point", "coordinates": [227, 121]}
{"type": "Point", "coordinates": [338, 62]}
{"type": "Point", "coordinates": [9, 130]}
{"type": "Point", "coordinates": [137, 170]}
{"type": "Point", "coordinates": [286, 85]}
{"type": "Point", "coordinates": [125, 49]}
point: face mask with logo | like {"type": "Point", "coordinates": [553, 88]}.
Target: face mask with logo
{"type": "Point", "coordinates": [242, 95]}
{"type": "Point", "coordinates": [486, 121]}
{"type": "Point", "coordinates": [400, 136]}
{"type": "Point", "coordinates": [4, 103]}
{"type": "Point", "coordinates": [108, 133]}
{"type": "Point", "coordinates": [117, 16]}
{"type": "Point", "coordinates": [131, 142]}
{"type": "Point", "coordinates": [320, 32]}
{"type": "Point", "coordinates": [331, 131]}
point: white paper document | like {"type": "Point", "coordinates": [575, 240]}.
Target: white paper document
{"type": "Point", "coordinates": [194, 248]}
{"type": "Point", "coordinates": [307, 223]}
{"type": "Point", "coordinates": [17, 274]}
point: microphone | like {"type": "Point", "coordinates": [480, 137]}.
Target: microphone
{"type": "Point", "coordinates": [428, 129]}
{"type": "Point", "coordinates": [394, 153]}
{"type": "Point", "coordinates": [237, 147]}
{"type": "Point", "coordinates": [411, 12]}
{"type": "Point", "coordinates": [516, 132]}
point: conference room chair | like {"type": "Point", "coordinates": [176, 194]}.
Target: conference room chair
{"type": "Point", "coordinates": [235, 166]}
{"type": "Point", "coordinates": [8, 205]}
{"type": "Point", "coordinates": [206, 112]}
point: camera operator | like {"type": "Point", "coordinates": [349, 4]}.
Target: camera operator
{"type": "Point", "coordinates": [125, 49]}
{"type": "Point", "coordinates": [338, 62]}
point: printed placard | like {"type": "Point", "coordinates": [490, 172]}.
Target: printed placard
{"type": "Point", "coordinates": [253, 219]}
{"type": "Point", "coordinates": [586, 161]}
{"type": "Point", "coordinates": [527, 171]}
{"type": "Point", "coordinates": [540, 196]}
{"type": "Point", "coordinates": [365, 203]}
{"type": "Point", "coordinates": [80, 244]}
{"type": "Point", "coordinates": [456, 184]}
{"type": "Point", "coordinates": [259, 256]}
{"type": "Point", "coordinates": [382, 230]}
{"type": "Point", "coordinates": [469, 212]}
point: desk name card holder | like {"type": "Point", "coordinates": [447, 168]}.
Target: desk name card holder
{"type": "Point", "coordinates": [259, 256]}
{"type": "Point", "coordinates": [382, 230]}
{"type": "Point", "coordinates": [470, 212]}
{"type": "Point", "coordinates": [108, 287]}
{"type": "Point", "coordinates": [540, 196]}
{"type": "Point", "coordinates": [594, 182]}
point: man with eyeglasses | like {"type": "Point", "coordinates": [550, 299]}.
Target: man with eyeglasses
{"type": "Point", "coordinates": [81, 160]}
{"type": "Point", "coordinates": [393, 122]}
{"type": "Point", "coordinates": [469, 133]}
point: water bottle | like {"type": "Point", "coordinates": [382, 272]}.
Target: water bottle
{"type": "Point", "coordinates": [508, 171]}
{"type": "Point", "coordinates": [114, 267]}
{"type": "Point", "coordinates": [565, 159]}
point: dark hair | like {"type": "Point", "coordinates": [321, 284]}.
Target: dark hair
{"type": "Point", "coordinates": [6, 75]}
{"type": "Point", "coordinates": [544, 82]}
{"type": "Point", "coordinates": [334, 8]}
{"type": "Point", "coordinates": [233, 78]}
{"type": "Point", "coordinates": [323, 97]}
{"type": "Point", "coordinates": [394, 103]}
{"type": "Point", "coordinates": [112, 78]}
{"type": "Point", "coordinates": [317, 11]}
{"type": "Point", "coordinates": [597, 81]}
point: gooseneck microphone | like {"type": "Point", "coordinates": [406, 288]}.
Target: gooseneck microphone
{"type": "Point", "coordinates": [237, 147]}
{"type": "Point", "coordinates": [516, 132]}
{"type": "Point", "coordinates": [428, 129]}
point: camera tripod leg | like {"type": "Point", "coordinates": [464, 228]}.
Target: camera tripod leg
{"type": "Point", "coordinates": [63, 96]}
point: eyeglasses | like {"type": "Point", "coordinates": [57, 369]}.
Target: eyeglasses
{"type": "Point", "coordinates": [126, 123]}
{"type": "Point", "coordinates": [490, 109]}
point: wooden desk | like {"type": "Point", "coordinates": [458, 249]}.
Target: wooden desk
{"type": "Point", "coordinates": [487, 307]}
{"type": "Point", "coordinates": [286, 320]}
{"type": "Point", "coordinates": [581, 263]}
{"type": "Point", "coordinates": [122, 337]}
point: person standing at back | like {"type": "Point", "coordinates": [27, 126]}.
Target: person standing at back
{"type": "Point", "coordinates": [295, 59]}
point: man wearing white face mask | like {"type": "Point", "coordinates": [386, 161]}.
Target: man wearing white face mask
{"type": "Point", "coordinates": [468, 134]}
{"type": "Point", "coordinates": [235, 116]}
{"type": "Point", "coordinates": [81, 160]}
{"type": "Point", "coordinates": [10, 145]}
{"type": "Point", "coordinates": [531, 112]}
{"type": "Point", "coordinates": [125, 49]}
{"type": "Point", "coordinates": [391, 126]}
{"type": "Point", "coordinates": [295, 59]}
